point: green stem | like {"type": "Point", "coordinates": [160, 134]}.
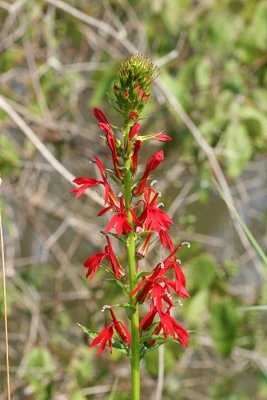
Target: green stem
{"type": "Point", "coordinates": [135, 354]}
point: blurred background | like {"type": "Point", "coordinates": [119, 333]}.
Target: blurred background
{"type": "Point", "coordinates": [58, 59]}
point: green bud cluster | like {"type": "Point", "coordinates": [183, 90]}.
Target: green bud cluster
{"type": "Point", "coordinates": [132, 91]}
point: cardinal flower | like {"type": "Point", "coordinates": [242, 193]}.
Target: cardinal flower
{"type": "Point", "coordinates": [120, 219]}
{"type": "Point", "coordinates": [106, 335]}
{"type": "Point", "coordinates": [152, 217]}
{"type": "Point", "coordinates": [121, 328]}
{"type": "Point", "coordinates": [156, 136]}
{"type": "Point", "coordinates": [100, 116]}
{"type": "Point", "coordinates": [152, 164]}
{"type": "Point", "coordinates": [170, 327]}
{"type": "Point", "coordinates": [134, 130]}
{"type": "Point", "coordinates": [109, 194]}
{"type": "Point", "coordinates": [112, 145]}
{"type": "Point", "coordinates": [165, 239]}
{"type": "Point", "coordinates": [143, 249]}
{"type": "Point", "coordinates": [144, 287]}
{"type": "Point", "coordinates": [84, 184]}
{"type": "Point", "coordinates": [117, 269]}
{"type": "Point", "coordinates": [94, 262]}
{"type": "Point", "coordinates": [137, 147]}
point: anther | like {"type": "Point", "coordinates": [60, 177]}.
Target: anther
{"type": "Point", "coordinates": [105, 307]}
{"type": "Point", "coordinates": [186, 244]}
{"type": "Point", "coordinates": [120, 194]}
{"type": "Point", "coordinates": [153, 182]}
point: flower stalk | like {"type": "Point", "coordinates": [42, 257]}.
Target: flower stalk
{"type": "Point", "coordinates": [135, 354]}
{"type": "Point", "coordinates": [136, 221]}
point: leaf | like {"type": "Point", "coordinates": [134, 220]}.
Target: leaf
{"type": "Point", "coordinates": [9, 157]}
{"type": "Point", "coordinates": [119, 283]}
{"type": "Point", "coordinates": [198, 306]}
{"type": "Point", "coordinates": [223, 327]}
{"type": "Point", "coordinates": [203, 73]}
{"type": "Point", "coordinates": [87, 331]}
{"type": "Point", "coordinates": [202, 271]}
{"type": "Point", "coordinates": [249, 113]}
{"type": "Point", "coordinates": [238, 148]}
{"type": "Point", "coordinates": [151, 361]}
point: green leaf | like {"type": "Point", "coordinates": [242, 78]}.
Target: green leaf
{"type": "Point", "coordinates": [238, 148]}
{"type": "Point", "coordinates": [198, 306]}
{"type": "Point", "coordinates": [87, 331]}
{"type": "Point", "coordinates": [223, 326]}
{"type": "Point", "coordinates": [151, 361]}
{"type": "Point", "coordinates": [77, 395]}
{"type": "Point", "coordinates": [9, 157]}
{"type": "Point", "coordinates": [248, 114]}
{"type": "Point", "coordinates": [202, 271]}
{"type": "Point", "coordinates": [203, 73]}
{"type": "Point", "coordinates": [119, 283]}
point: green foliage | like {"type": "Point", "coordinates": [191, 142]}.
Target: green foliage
{"type": "Point", "coordinates": [201, 272]}
{"type": "Point", "coordinates": [238, 148]}
{"type": "Point", "coordinates": [9, 157]}
{"type": "Point", "coordinates": [219, 76]}
{"type": "Point", "coordinates": [151, 361]}
{"type": "Point", "coordinates": [40, 370]}
{"type": "Point", "coordinates": [223, 327]}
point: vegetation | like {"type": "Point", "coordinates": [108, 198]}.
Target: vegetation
{"type": "Point", "coordinates": [58, 60]}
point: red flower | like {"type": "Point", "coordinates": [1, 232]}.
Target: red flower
{"type": "Point", "coordinates": [154, 219]}
{"type": "Point", "coordinates": [143, 249]}
{"type": "Point", "coordinates": [158, 294]}
{"type": "Point", "coordinates": [112, 145]}
{"type": "Point", "coordinates": [162, 138]}
{"type": "Point", "coordinates": [152, 164]}
{"type": "Point", "coordinates": [148, 319]}
{"type": "Point", "coordinates": [171, 327]}
{"type": "Point", "coordinates": [100, 116]}
{"type": "Point", "coordinates": [119, 220]}
{"type": "Point", "coordinates": [86, 183]}
{"type": "Point", "coordinates": [157, 136]}
{"type": "Point", "coordinates": [134, 130]}
{"type": "Point", "coordinates": [118, 270]}
{"type": "Point", "coordinates": [133, 115]}
{"type": "Point", "coordinates": [121, 329]}
{"type": "Point", "coordinates": [167, 324]}
{"type": "Point", "coordinates": [134, 157]}
{"type": "Point", "coordinates": [109, 194]}
{"type": "Point", "coordinates": [93, 262]}
{"type": "Point", "coordinates": [165, 239]}
{"type": "Point", "coordinates": [104, 336]}
{"type": "Point", "coordinates": [145, 286]}
{"type": "Point", "coordinates": [107, 333]}
{"type": "Point", "coordinates": [89, 182]}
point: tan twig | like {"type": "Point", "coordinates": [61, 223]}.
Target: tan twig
{"type": "Point", "coordinates": [57, 166]}
{"type": "Point", "coordinates": [209, 152]}
{"type": "Point", "coordinates": [5, 302]}
{"type": "Point", "coordinates": [160, 382]}
{"type": "Point", "coordinates": [103, 26]}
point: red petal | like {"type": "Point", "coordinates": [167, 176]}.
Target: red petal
{"type": "Point", "coordinates": [100, 116]}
